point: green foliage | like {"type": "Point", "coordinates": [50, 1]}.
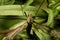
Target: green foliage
{"type": "Point", "coordinates": [43, 13]}
{"type": "Point", "coordinates": [6, 2]}
{"type": "Point", "coordinates": [42, 35]}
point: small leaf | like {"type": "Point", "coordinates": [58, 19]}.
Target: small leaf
{"type": "Point", "coordinates": [40, 36]}
{"type": "Point", "coordinates": [6, 2]}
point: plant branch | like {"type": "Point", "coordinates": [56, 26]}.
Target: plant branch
{"type": "Point", "coordinates": [6, 31]}
{"type": "Point", "coordinates": [13, 33]}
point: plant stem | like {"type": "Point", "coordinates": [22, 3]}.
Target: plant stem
{"type": "Point", "coordinates": [13, 33]}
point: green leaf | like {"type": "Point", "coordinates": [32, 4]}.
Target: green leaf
{"type": "Point", "coordinates": [14, 10]}
{"type": "Point", "coordinates": [46, 36]}
{"type": "Point", "coordinates": [54, 6]}
{"type": "Point", "coordinates": [41, 34]}
{"type": "Point", "coordinates": [6, 2]}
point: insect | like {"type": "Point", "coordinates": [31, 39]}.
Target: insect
{"type": "Point", "coordinates": [29, 21]}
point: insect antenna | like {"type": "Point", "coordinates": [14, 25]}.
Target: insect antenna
{"type": "Point", "coordinates": [23, 10]}
{"type": "Point", "coordinates": [39, 8]}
